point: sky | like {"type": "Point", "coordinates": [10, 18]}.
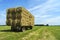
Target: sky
{"type": "Point", "coordinates": [44, 11]}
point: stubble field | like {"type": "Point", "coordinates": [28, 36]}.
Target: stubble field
{"type": "Point", "coordinates": [37, 33]}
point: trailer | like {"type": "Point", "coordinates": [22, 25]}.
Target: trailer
{"type": "Point", "coordinates": [19, 19]}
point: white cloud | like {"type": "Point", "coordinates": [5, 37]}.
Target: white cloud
{"type": "Point", "coordinates": [50, 21]}
{"type": "Point", "coordinates": [42, 16]}
{"type": "Point", "coordinates": [49, 5]}
{"type": "Point", "coordinates": [2, 21]}
{"type": "Point", "coordinates": [43, 11]}
{"type": "Point", "coordinates": [44, 8]}
{"type": "Point", "coordinates": [45, 16]}
{"type": "Point", "coordinates": [2, 14]}
{"type": "Point", "coordinates": [53, 20]}
{"type": "Point", "coordinates": [2, 17]}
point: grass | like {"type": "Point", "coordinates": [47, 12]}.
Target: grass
{"type": "Point", "coordinates": [37, 33]}
{"type": "Point", "coordinates": [55, 31]}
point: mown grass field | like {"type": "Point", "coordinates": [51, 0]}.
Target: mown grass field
{"type": "Point", "coordinates": [37, 33]}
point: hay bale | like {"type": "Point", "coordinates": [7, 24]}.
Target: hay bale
{"type": "Point", "coordinates": [20, 16]}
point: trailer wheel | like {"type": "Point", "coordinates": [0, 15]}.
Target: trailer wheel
{"type": "Point", "coordinates": [18, 29]}
{"type": "Point", "coordinates": [23, 29]}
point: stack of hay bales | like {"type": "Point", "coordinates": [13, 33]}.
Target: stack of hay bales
{"type": "Point", "coordinates": [19, 17]}
{"type": "Point", "coordinates": [31, 20]}
{"type": "Point", "coordinates": [27, 18]}
{"type": "Point", "coordinates": [11, 15]}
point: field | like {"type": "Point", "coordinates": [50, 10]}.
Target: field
{"type": "Point", "coordinates": [37, 33]}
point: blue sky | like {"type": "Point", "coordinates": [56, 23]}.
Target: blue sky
{"type": "Point", "coordinates": [44, 11]}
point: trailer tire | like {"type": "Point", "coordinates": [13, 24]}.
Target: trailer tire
{"type": "Point", "coordinates": [23, 29]}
